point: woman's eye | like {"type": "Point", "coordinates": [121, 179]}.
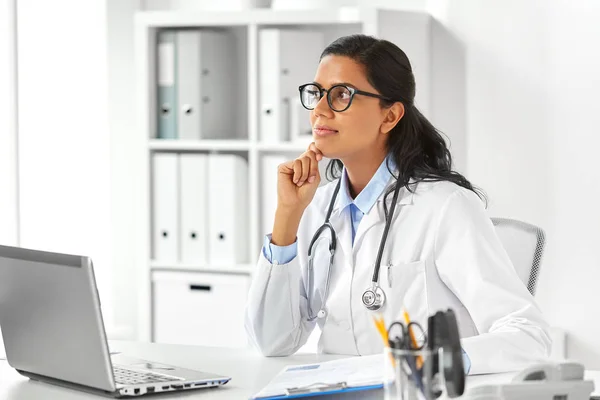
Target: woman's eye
{"type": "Point", "coordinates": [343, 95]}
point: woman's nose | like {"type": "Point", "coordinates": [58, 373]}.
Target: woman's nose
{"type": "Point", "coordinates": [322, 107]}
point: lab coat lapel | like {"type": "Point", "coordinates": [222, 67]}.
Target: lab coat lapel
{"type": "Point", "coordinates": [376, 215]}
{"type": "Point", "coordinates": [373, 217]}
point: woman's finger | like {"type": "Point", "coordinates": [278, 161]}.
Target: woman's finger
{"type": "Point", "coordinates": [287, 167]}
{"type": "Point", "coordinates": [297, 170]}
{"type": "Point", "coordinates": [313, 147]}
{"type": "Point", "coordinates": [306, 161]}
{"type": "Point", "coordinates": [314, 166]}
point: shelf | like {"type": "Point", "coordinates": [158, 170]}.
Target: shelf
{"type": "Point", "coordinates": [283, 146]}
{"type": "Point", "coordinates": [247, 269]}
{"type": "Point", "coordinates": [196, 145]}
{"type": "Point", "coordinates": [224, 145]}
{"type": "Point", "coordinates": [187, 18]}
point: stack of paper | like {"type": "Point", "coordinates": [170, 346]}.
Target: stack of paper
{"type": "Point", "coordinates": [328, 377]}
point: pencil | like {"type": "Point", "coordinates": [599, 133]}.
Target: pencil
{"type": "Point", "coordinates": [412, 338]}
{"type": "Point", "coordinates": [380, 325]}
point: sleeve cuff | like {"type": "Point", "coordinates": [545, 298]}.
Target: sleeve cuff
{"type": "Point", "coordinates": [279, 254]}
{"type": "Point", "coordinates": [466, 362]}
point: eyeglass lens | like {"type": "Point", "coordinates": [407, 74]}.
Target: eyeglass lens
{"type": "Point", "coordinates": [338, 97]}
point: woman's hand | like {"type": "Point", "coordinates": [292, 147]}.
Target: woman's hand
{"type": "Point", "coordinates": [298, 180]}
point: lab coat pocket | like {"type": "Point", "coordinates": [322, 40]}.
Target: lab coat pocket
{"type": "Point", "coordinates": [408, 288]}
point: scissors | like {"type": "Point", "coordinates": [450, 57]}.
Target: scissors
{"type": "Point", "coordinates": [404, 339]}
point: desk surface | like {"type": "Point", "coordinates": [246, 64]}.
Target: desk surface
{"type": "Point", "coordinates": [249, 371]}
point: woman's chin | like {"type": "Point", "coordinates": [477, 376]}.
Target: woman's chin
{"type": "Point", "coordinates": [325, 146]}
{"type": "Point", "coordinates": [329, 153]}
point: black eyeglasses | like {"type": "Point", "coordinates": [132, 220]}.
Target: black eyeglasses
{"type": "Point", "coordinates": [339, 97]}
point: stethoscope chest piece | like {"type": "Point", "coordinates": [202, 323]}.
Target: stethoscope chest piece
{"type": "Point", "coordinates": [373, 298]}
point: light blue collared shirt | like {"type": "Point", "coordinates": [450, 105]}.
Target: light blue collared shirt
{"type": "Point", "coordinates": [357, 208]}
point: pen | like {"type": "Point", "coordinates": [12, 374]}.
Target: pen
{"type": "Point", "coordinates": [411, 334]}
{"type": "Point", "coordinates": [401, 373]}
{"type": "Point", "coordinates": [415, 373]}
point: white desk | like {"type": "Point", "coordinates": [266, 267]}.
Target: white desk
{"type": "Point", "coordinates": [249, 371]}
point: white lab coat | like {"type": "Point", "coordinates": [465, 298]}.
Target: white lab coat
{"type": "Point", "coordinates": [442, 252]}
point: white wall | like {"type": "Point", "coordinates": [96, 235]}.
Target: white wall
{"type": "Point", "coordinates": [8, 126]}
{"type": "Point", "coordinates": [532, 127]}
{"type": "Point", "coordinates": [572, 282]}
{"type": "Point", "coordinates": [121, 106]}
{"type": "Point", "coordinates": [8, 134]}
{"type": "Point", "coordinates": [64, 148]}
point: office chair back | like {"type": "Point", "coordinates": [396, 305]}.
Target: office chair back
{"type": "Point", "coordinates": [524, 244]}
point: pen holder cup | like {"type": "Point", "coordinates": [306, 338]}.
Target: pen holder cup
{"type": "Point", "coordinates": [410, 375]}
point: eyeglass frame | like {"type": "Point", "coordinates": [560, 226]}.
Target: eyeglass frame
{"type": "Point", "coordinates": [353, 91]}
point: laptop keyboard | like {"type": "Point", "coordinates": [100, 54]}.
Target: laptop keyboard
{"type": "Point", "coordinates": [126, 376]}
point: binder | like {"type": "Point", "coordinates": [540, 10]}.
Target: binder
{"type": "Point", "coordinates": [287, 58]}
{"type": "Point", "coordinates": [193, 206]}
{"type": "Point", "coordinates": [205, 84]}
{"type": "Point", "coordinates": [166, 84]}
{"type": "Point", "coordinates": [300, 127]}
{"type": "Point", "coordinates": [165, 216]}
{"type": "Point", "coordinates": [228, 209]}
{"type": "Point", "coordinates": [332, 377]}
{"type": "Point", "coordinates": [269, 165]}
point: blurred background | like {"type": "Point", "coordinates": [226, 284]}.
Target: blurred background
{"type": "Point", "coordinates": [94, 152]}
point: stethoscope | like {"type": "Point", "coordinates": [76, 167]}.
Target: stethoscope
{"type": "Point", "coordinates": [373, 298]}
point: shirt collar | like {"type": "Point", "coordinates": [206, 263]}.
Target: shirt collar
{"type": "Point", "coordinates": [369, 195]}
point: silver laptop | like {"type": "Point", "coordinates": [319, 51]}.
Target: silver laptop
{"type": "Point", "coordinates": [53, 330]}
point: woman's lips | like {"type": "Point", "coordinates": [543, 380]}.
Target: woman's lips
{"type": "Point", "coordinates": [323, 131]}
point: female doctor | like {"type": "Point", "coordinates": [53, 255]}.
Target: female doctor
{"type": "Point", "coordinates": [398, 228]}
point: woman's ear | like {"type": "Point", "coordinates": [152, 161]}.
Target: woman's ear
{"type": "Point", "coordinates": [392, 115]}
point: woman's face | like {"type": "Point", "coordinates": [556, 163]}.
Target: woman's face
{"type": "Point", "coordinates": [343, 134]}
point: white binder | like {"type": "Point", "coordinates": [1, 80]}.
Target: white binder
{"type": "Point", "coordinates": [193, 206]}
{"type": "Point", "coordinates": [287, 59]}
{"type": "Point", "coordinates": [268, 201]}
{"type": "Point", "coordinates": [205, 84]}
{"type": "Point", "coordinates": [166, 85]}
{"type": "Point", "coordinates": [228, 209]}
{"type": "Point", "coordinates": [300, 128]}
{"type": "Point", "coordinates": [165, 194]}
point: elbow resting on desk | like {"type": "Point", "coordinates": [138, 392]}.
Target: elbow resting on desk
{"type": "Point", "coordinates": [509, 346]}
{"type": "Point", "coordinates": [273, 318]}
{"type": "Point", "coordinates": [274, 345]}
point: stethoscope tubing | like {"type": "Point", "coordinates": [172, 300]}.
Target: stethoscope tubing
{"type": "Point", "coordinates": [332, 246]}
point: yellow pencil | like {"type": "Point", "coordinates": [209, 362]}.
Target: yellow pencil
{"type": "Point", "coordinates": [412, 337]}
{"type": "Point", "coordinates": [380, 325]}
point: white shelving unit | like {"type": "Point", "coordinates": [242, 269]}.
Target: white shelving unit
{"type": "Point", "coordinates": [198, 145]}
{"type": "Point", "coordinates": [411, 31]}
{"type": "Point", "coordinates": [236, 269]}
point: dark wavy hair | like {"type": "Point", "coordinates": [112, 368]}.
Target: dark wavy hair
{"type": "Point", "coordinates": [416, 146]}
